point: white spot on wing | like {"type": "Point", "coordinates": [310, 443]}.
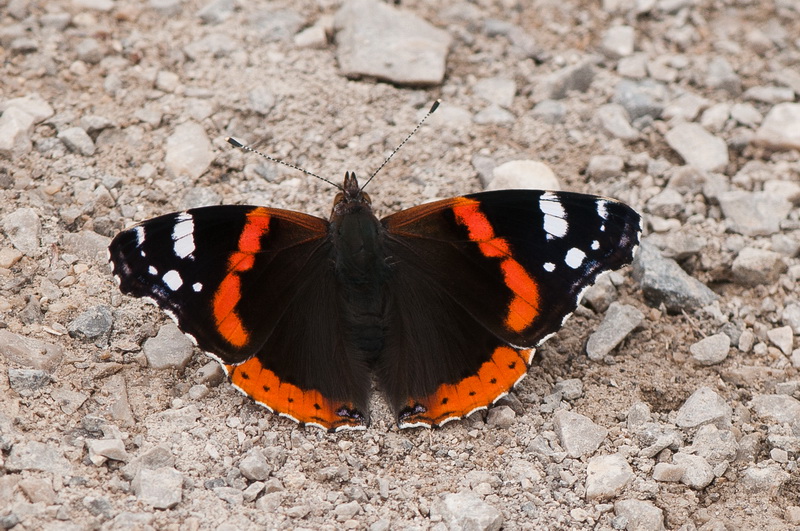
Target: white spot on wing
{"type": "Point", "coordinates": [554, 214]}
{"type": "Point", "coordinates": [601, 208]}
{"type": "Point", "coordinates": [139, 231]}
{"type": "Point", "coordinates": [152, 270]}
{"type": "Point", "coordinates": [172, 279]}
{"type": "Point", "coordinates": [183, 235]}
{"type": "Point", "coordinates": [549, 267]}
{"type": "Point", "coordinates": [574, 258]}
{"type": "Point", "coordinates": [197, 287]}
{"type": "Point", "coordinates": [595, 245]}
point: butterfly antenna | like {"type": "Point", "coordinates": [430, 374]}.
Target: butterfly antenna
{"type": "Point", "coordinates": [433, 108]}
{"type": "Point", "coordinates": [236, 143]}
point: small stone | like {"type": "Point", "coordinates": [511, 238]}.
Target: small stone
{"type": "Point", "coordinates": [261, 100]}
{"type": "Point", "coordinates": [641, 515]}
{"type": "Point", "coordinates": [465, 510]}
{"type": "Point", "coordinates": [766, 94]}
{"type": "Point", "coordinates": [783, 338]}
{"type": "Point", "coordinates": [685, 107]}
{"type": "Point", "coordinates": [711, 350]}
{"type": "Point", "coordinates": [493, 114]}
{"type": "Point", "coordinates": [89, 51]}
{"type": "Point", "coordinates": [754, 213]}
{"type": "Point", "coordinates": [571, 389]}
{"type": "Point", "coordinates": [779, 455]}
{"type": "Point", "coordinates": [169, 349]}
{"type": "Point", "coordinates": [557, 85]}
{"type": "Point", "coordinates": [791, 317]}
{"type": "Point", "coordinates": [633, 66]}
{"type": "Point", "coordinates": [605, 166]}
{"type": "Point", "coordinates": [16, 127]}
{"type": "Point", "coordinates": [162, 488]}
{"type": "Point", "coordinates": [668, 473]}
{"type": "Point", "coordinates": [697, 472]}
{"type": "Point", "coordinates": [550, 111]}
{"type": "Point", "coordinates": [298, 511]}
{"type": "Point", "coordinates": [23, 227]}
{"type": "Point", "coordinates": [704, 406]}
{"type": "Point", "coordinates": [377, 40]}
{"type": "Point", "coordinates": [640, 98]}
{"type": "Point", "coordinates": [753, 266]}
{"type": "Point", "coordinates": [638, 415]}
{"type": "Point", "coordinates": [231, 495]}
{"type": "Point", "coordinates": [618, 41]}
{"type": "Point", "coordinates": [167, 81]}
{"type": "Point", "coordinates": [767, 480]}
{"type": "Point", "coordinates": [252, 491]}
{"type": "Point", "coordinates": [501, 417]}
{"type": "Point", "coordinates": [786, 189]}
{"type": "Point", "coordinates": [715, 117]}
{"type": "Point", "coordinates": [254, 467]}
{"type": "Point", "coordinates": [26, 381]}
{"type": "Point", "coordinates": [91, 324]}
{"type": "Point", "coordinates": [780, 408]}
{"type": "Point", "coordinates": [716, 446]}
{"type": "Point", "coordinates": [497, 90]}
{"type": "Point", "coordinates": [578, 435]}
{"type": "Point", "coordinates": [780, 129]}
{"type": "Point", "coordinates": [315, 36]}
{"type": "Point", "coordinates": [77, 140]}
{"type": "Point", "coordinates": [210, 374]}
{"type": "Point", "coordinates": [346, 511]}
{"type": "Point", "coordinates": [188, 151]}
{"type": "Point", "coordinates": [87, 245]}
{"type": "Point", "coordinates": [523, 174]}
{"type": "Point", "coordinates": [792, 514]}
{"type": "Point", "coordinates": [614, 120]}
{"type": "Point", "coordinates": [38, 490]}
{"type": "Point", "coordinates": [216, 11]}
{"type": "Point", "coordinates": [698, 147]}
{"type": "Point", "coordinates": [746, 114]}
{"type": "Point", "coordinates": [721, 75]}
{"type": "Point", "coordinates": [9, 257]}
{"type": "Point", "coordinates": [606, 476]}
{"type": "Point", "coordinates": [32, 104]}
{"type": "Point", "coordinates": [68, 400]}
{"type": "Point", "coordinates": [37, 456]}
{"type": "Point", "coordinates": [619, 321]}
{"type": "Point", "coordinates": [29, 352]}
{"type": "Point", "coordinates": [601, 294]}
{"type": "Point", "coordinates": [274, 25]}
{"type": "Point", "coordinates": [669, 203]}
{"type": "Point", "coordinates": [102, 449]}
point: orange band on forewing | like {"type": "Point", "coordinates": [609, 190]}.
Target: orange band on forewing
{"type": "Point", "coordinates": [524, 307]}
{"type": "Point", "coordinates": [229, 293]}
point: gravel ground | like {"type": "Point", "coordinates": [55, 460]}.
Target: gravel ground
{"type": "Point", "coordinates": [668, 401]}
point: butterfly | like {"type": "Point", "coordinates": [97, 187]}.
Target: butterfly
{"type": "Point", "coordinates": [443, 304]}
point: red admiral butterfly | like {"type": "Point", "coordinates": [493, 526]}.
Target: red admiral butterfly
{"type": "Point", "coordinates": [442, 303]}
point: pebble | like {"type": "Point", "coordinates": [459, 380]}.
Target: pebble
{"type": "Point", "coordinates": [704, 406]}
{"type": "Point", "coordinates": [34, 455]}
{"type": "Point", "coordinates": [746, 114]}
{"type": "Point", "coordinates": [669, 203]}
{"type": "Point", "coordinates": [231, 495]}
{"type": "Point", "coordinates": [346, 511]}
{"type": "Point", "coordinates": [641, 515]}
{"type": "Point", "coordinates": [87, 245]}
{"type": "Point", "coordinates": [23, 228]}
{"type": "Point", "coordinates": [261, 100]}
{"type": "Point", "coordinates": [640, 98]}
{"type": "Point", "coordinates": [711, 350]}
{"type": "Point", "coordinates": [501, 417]}
{"type": "Point", "coordinates": [753, 266]}
{"type": "Point", "coordinates": [721, 75]}
{"type": "Point", "coordinates": [161, 488]}
{"type": "Point", "coordinates": [493, 114]}
{"type": "Point", "coordinates": [685, 107]}
{"type": "Point", "coordinates": [9, 257]}
{"type": "Point", "coordinates": [557, 85]}
{"type": "Point", "coordinates": [638, 415]}
{"type": "Point", "coordinates": [170, 348]}
{"type": "Point", "coordinates": [215, 44]}
{"type": "Point", "coordinates": [32, 104]}
{"type": "Point", "coordinates": [697, 473]}
{"type": "Point", "coordinates": [601, 294]}
{"type": "Point", "coordinates": [606, 476]}
{"type": "Point", "coordinates": [315, 36]}
{"type": "Point", "coordinates": [605, 166]}
{"type": "Point", "coordinates": [92, 323]}
{"type": "Point", "coordinates": [89, 51]}
{"type": "Point", "coordinates": [188, 151]}
{"type": "Point", "coordinates": [767, 94]}
{"type": "Point", "coordinates": [465, 510]}
{"type": "Point", "coordinates": [656, 437]}
{"type": "Point", "coordinates": [377, 40]}
{"type": "Point", "coordinates": [780, 129]}
{"type": "Point", "coordinates": [216, 11]}
{"type": "Point", "coordinates": [29, 352]}
{"type": "Point", "coordinates": [77, 140]}
{"type": "Point", "coordinates": [16, 127]}
{"type": "Point", "coordinates": [619, 321]}
{"type": "Point", "coordinates": [26, 381]}
{"type": "Point", "coordinates": [254, 466]}
{"type": "Point", "coordinates": [715, 117]}
{"type": "Point", "coordinates": [766, 480]}
{"type": "Point", "coordinates": [633, 66]}
{"type": "Point", "coordinates": [38, 490]}
{"type": "Point", "coordinates": [102, 449]}
{"type": "Point", "coordinates": [786, 189]}
{"type": "Point", "coordinates": [783, 338]}
{"type": "Point", "coordinates": [278, 24]}
{"type": "Point", "coordinates": [668, 472]}
{"type": "Point", "coordinates": [791, 316]}
{"type": "Point", "coordinates": [780, 408]}
{"type": "Point", "coordinates": [578, 434]}
{"type": "Point", "coordinates": [497, 90]}
{"type": "Point", "coordinates": [792, 514]}
{"type": "Point", "coordinates": [618, 41]}
{"type": "Point", "coordinates": [716, 446]}
{"type": "Point", "coordinates": [523, 174]}
{"type": "Point", "coordinates": [115, 399]}
{"type": "Point", "coordinates": [571, 389]}
{"type": "Point", "coordinates": [68, 400]}
{"type": "Point", "coordinates": [550, 111]}
{"type": "Point", "coordinates": [614, 120]}
{"type": "Point", "coordinates": [698, 147]}
{"type": "Point", "coordinates": [252, 491]}
{"type": "Point", "coordinates": [152, 459]}
{"type": "Point", "coordinates": [753, 213]}
{"type": "Point", "coordinates": [663, 281]}
{"type": "Point", "coordinates": [210, 374]}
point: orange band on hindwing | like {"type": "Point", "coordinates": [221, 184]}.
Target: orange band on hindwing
{"type": "Point", "coordinates": [229, 293]}
{"type": "Point", "coordinates": [524, 307]}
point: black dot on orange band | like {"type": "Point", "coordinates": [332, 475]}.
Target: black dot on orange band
{"type": "Point", "coordinates": [472, 393]}
{"type": "Point", "coordinates": [317, 406]}
{"type": "Point", "coordinates": [265, 388]}
{"type": "Point", "coordinates": [493, 381]}
{"type": "Point", "coordinates": [290, 400]}
{"type": "Point", "coordinates": [512, 365]}
{"type": "Point", "coordinates": [245, 376]}
{"type": "Point", "coordinates": [444, 400]}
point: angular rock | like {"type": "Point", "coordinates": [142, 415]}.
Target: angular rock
{"type": "Point", "coordinates": [605, 166]}
{"type": "Point", "coordinates": [169, 349]}
{"type": "Point", "coordinates": [780, 408]}
{"type": "Point", "coordinates": [188, 151]}
{"type": "Point", "coordinates": [753, 266]}
{"type": "Point", "coordinates": [641, 515]}
{"type": "Point", "coordinates": [606, 476]}
{"type": "Point", "coordinates": [16, 127]}
{"type": "Point", "coordinates": [231, 495]}
{"type": "Point", "coordinates": [27, 381]}
{"type": "Point", "coordinates": [102, 449]}
{"type": "Point", "coordinates": [523, 174]}
{"type": "Point", "coordinates": [33, 455]}
{"type": "Point", "coordinates": [557, 85]}
{"type": "Point", "coordinates": [32, 104]}
{"type": "Point", "coordinates": [618, 41]}
{"type": "Point", "coordinates": [346, 511]}
{"type": "Point", "coordinates": [640, 98]}
{"type": "Point", "coordinates": [614, 120]}
{"type": "Point", "coordinates": [161, 488]}
{"type": "Point", "coordinates": [754, 213]}
{"type": "Point", "coordinates": [377, 40]}
{"type": "Point", "coordinates": [38, 490]}
{"type": "Point", "coordinates": [704, 406]}
{"type": "Point", "coordinates": [466, 510]}
{"type": "Point", "coordinates": [783, 338]}
{"type": "Point", "coordinates": [698, 147]}
{"type": "Point", "coordinates": [550, 111]}
{"type": "Point", "coordinates": [697, 474]}
{"type": "Point", "coordinates": [30, 352]}
{"type": "Point", "coordinates": [721, 75]}
{"type": "Point", "coordinates": [668, 473]}
{"type": "Point", "coordinates": [571, 389]}
{"type": "Point", "coordinates": [663, 281]}
{"type": "Point", "coordinates": [497, 90]}
{"type": "Point", "coordinates": [23, 227]}
{"type": "Point", "coordinates": [780, 129]}
{"type": "Point", "coordinates": [768, 479]}
{"type": "Point", "coordinates": [711, 350]}
{"type": "Point", "coordinates": [92, 323]}
{"type": "Point", "coordinates": [619, 321]}
{"type": "Point", "coordinates": [87, 245]}
{"type": "Point", "coordinates": [578, 434]}
{"type": "Point", "coordinates": [714, 445]}
{"type": "Point", "coordinates": [77, 140]}
{"type": "Point", "coordinates": [501, 417]}
{"type": "Point", "coordinates": [493, 114]}
{"type": "Point", "coordinates": [254, 467]}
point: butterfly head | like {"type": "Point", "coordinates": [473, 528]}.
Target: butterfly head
{"type": "Point", "coordinates": [351, 198]}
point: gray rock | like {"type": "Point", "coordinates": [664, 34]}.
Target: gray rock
{"type": "Point", "coordinates": [216, 11]}
{"type": "Point", "coordinates": [87, 245]}
{"type": "Point", "coordinates": [68, 400]}
{"type": "Point", "coordinates": [275, 25]}
{"type": "Point", "coordinates": [721, 75]}
{"type": "Point", "coordinates": [640, 98]}
{"type": "Point", "coordinates": [767, 480]}
{"type": "Point", "coordinates": [619, 321]}
{"type": "Point", "coordinates": [32, 104]}
{"type": "Point", "coordinates": [16, 127]}
{"type": "Point", "coordinates": [780, 408]}
{"type": "Point", "coordinates": [786, 189]}
{"type": "Point", "coordinates": [315, 36]}
{"type": "Point", "coordinates": [669, 203]}
{"type": "Point", "coordinates": [550, 111]}
{"type": "Point", "coordinates": [571, 389]}
{"type": "Point", "coordinates": [685, 107]}
{"type": "Point", "coordinates": [523, 174]}
{"type": "Point", "coordinates": [254, 467]}
{"type": "Point", "coordinates": [618, 41]}
{"type": "Point", "coordinates": [101, 450]}
{"type": "Point", "coordinates": [655, 437]}
{"type": "Point", "coordinates": [26, 381]}
{"type": "Point", "coordinates": [614, 120]}
{"type": "Point", "coordinates": [664, 282]}
{"type": "Point", "coordinates": [606, 476]}
{"type": "Point", "coordinates": [753, 213]}
{"type": "Point", "coordinates": [783, 338]}
{"type": "Point", "coordinates": [501, 417]}
{"type": "Point", "coordinates": [605, 166]}
{"type": "Point", "coordinates": [493, 114]}
{"type": "Point", "coordinates": [557, 85]}
{"type": "Point", "coordinates": [638, 415]}
{"type": "Point", "coordinates": [33, 455]}
{"type": "Point", "coordinates": [152, 459]}
{"type": "Point", "coordinates": [601, 294]}
{"type": "Point", "coordinates": [210, 374]}
{"type": "Point", "coordinates": [767, 94]}
{"type": "Point", "coordinates": [188, 151]}
{"type": "Point", "coordinates": [29, 352]}
{"type": "Point", "coordinates": [704, 406]}
{"type": "Point", "coordinates": [465, 510]}
{"type": "Point", "coordinates": [77, 140]}
{"type": "Point", "coordinates": [170, 348]}
{"type": "Point", "coordinates": [714, 445]}
{"type": "Point", "coordinates": [698, 147]}
{"type": "Point", "coordinates": [216, 45]}
{"type": "Point", "coordinates": [89, 51]}
{"type": "Point", "coordinates": [231, 495]}
{"type": "Point", "coordinates": [780, 129]}
{"type": "Point", "coordinates": [497, 90]}
{"type": "Point", "coordinates": [91, 324]}
{"type": "Point", "coordinates": [377, 40]}
{"type": "Point", "coordinates": [346, 511]}
{"type": "Point", "coordinates": [746, 114]}
{"type": "Point", "coordinates": [697, 474]}
{"type": "Point", "coordinates": [641, 515]}
{"type": "Point", "coordinates": [668, 472]}
{"type": "Point", "coordinates": [252, 491]}
{"type": "Point", "coordinates": [38, 490]}
{"type": "Point", "coordinates": [711, 350]}
{"type": "Point", "coordinates": [261, 100]}
{"type": "Point", "coordinates": [161, 488]}
{"type": "Point", "coordinates": [578, 435]}
{"type": "Point", "coordinates": [715, 117]}
{"type": "Point", "coordinates": [23, 227]}
{"type": "Point", "coordinates": [753, 266]}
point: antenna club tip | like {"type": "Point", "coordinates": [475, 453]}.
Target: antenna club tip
{"type": "Point", "coordinates": [434, 106]}
{"type": "Point", "coordinates": [234, 142]}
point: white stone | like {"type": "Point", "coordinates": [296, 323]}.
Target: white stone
{"type": "Point", "coordinates": [698, 147]}
{"type": "Point", "coordinates": [523, 174]}
{"type": "Point", "coordinates": [780, 129]}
